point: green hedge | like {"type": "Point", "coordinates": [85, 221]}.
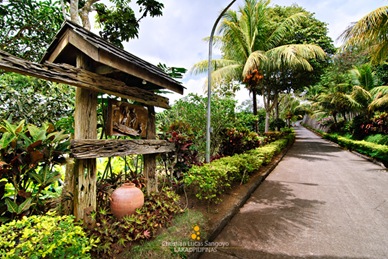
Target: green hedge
{"type": "Point", "coordinates": [213, 179]}
{"type": "Point", "coordinates": [373, 150]}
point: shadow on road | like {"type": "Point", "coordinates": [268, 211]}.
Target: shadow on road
{"type": "Point", "coordinates": [269, 215]}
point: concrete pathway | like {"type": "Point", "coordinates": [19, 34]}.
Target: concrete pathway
{"type": "Point", "coordinates": [319, 202]}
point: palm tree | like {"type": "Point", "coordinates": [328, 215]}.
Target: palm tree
{"type": "Point", "coordinates": [252, 50]}
{"type": "Point", "coordinates": [365, 92]}
{"type": "Point", "coordinates": [335, 100]}
{"type": "Point", "coordinates": [359, 96]}
{"type": "Point", "coordinates": [369, 34]}
{"type": "Point", "coordinates": [380, 98]}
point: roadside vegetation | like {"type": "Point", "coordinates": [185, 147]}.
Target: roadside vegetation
{"type": "Point", "coordinates": [281, 54]}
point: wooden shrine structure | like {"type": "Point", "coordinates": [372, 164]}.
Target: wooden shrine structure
{"type": "Point", "coordinates": [80, 58]}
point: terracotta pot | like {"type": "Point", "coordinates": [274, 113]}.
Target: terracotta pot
{"type": "Point", "coordinates": [125, 200]}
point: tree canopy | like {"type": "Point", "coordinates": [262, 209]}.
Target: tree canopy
{"type": "Point", "coordinates": [27, 27]}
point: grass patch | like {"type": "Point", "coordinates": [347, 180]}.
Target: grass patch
{"type": "Point", "coordinates": [179, 232]}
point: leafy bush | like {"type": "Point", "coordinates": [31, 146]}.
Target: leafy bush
{"type": "Point", "coordinates": [191, 110]}
{"type": "Point", "coordinates": [239, 141]}
{"type": "Point", "coordinates": [362, 126]}
{"type": "Point", "coordinates": [47, 236]}
{"type": "Point", "coordinates": [267, 152]}
{"type": "Point", "coordinates": [28, 156]}
{"type": "Point", "coordinates": [272, 136]}
{"type": "Point", "coordinates": [117, 234]}
{"type": "Point", "coordinates": [211, 180]}
{"type": "Point", "coordinates": [378, 124]}
{"type": "Point", "coordinates": [247, 120]}
{"type": "Point", "coordinates": [34, 100]}
{"type": "Point", "coordinates": [185, 155]}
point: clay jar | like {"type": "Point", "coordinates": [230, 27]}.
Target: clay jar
{"type": "Point", "coordinates": [125, 200]}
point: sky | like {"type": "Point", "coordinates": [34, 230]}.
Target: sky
{"type": "Point", "coordinates": [176, 38]}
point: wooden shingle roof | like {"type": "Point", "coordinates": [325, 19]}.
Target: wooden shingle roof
{"type": "Point", "coordinates": [107, 59]}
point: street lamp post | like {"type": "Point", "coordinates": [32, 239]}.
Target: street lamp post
{"type": "Point", "coordinates": [209, 83]}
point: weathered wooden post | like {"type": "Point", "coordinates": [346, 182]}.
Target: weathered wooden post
{"type": "Point", "coordinates": [150, 159]}
{"type": "Point", "coordinates": [85, 119]}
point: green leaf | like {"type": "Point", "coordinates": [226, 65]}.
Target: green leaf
{"type": "Point", "coordinates": [11, 206]}
{"type": "Point", "coordinates": [36, 132]}
{"type": "Point", "coordinates": [58, 136]}
{"type": "Point", "coordinates": [6, 139]}
{"type": "Point", "coordinates": [37, 177]}
{"type": "Point", "coordinates": [20, 127]}
{"type": "Point", "coordinates": [24, 206]}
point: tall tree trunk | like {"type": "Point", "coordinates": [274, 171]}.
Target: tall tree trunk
{"type": "Point", "coordinates": [344, 115]}
{"type": "Point", "coordinates": [276, 104]}
{"type": "Point", "coordinates": [84, 13]}
{"type": "Point", "coordinates": [268, 107]}
{"type": "Point", "coordinates": [335, 118]}
{"type": "Point", "coordinates": [267, 118]}
{"type": "Point", "coordinates": [74, 11]}
{"type": "Point", "coordinates": [254, 99]}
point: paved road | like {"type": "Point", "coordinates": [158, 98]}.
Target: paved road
{"type": "Point", "coordinates": [319, 202]}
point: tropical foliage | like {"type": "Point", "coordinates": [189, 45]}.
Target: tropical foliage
{"type": "Point", "coordinates": [257, 52]}
{"type": "Point", "coordinates": [27, 27]}
{"type": "Point", "coordinates": [190, 112]}
{"type": "Point", "coordinates": [28, 159]}
{"type": "Point", "coordinates": [210, 181]}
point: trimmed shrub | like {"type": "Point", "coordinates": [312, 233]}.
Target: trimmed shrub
{"type": "Point", "coordinates": [211, 180]}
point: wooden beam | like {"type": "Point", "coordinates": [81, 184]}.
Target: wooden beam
{"type": "Point", "coordinates": [129, 68]}
{"type": "Point", "coordinates": [67, 74]}
{"type": "Point", "coordinates": [61, 46]}
{"type": "Point", "coordinates": [94, 148]}
{"type": "Point", "coordinates": [106, 57]}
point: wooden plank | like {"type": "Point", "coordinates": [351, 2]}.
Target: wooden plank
{"type": "Point", "coordinates": [94, 148]}
{"type": "Point", "coordinates": [61, 46]}
{"type": "Point", "coordinates": [67, 74]}
{"type": "Point", "coordinates": [81, 44]}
